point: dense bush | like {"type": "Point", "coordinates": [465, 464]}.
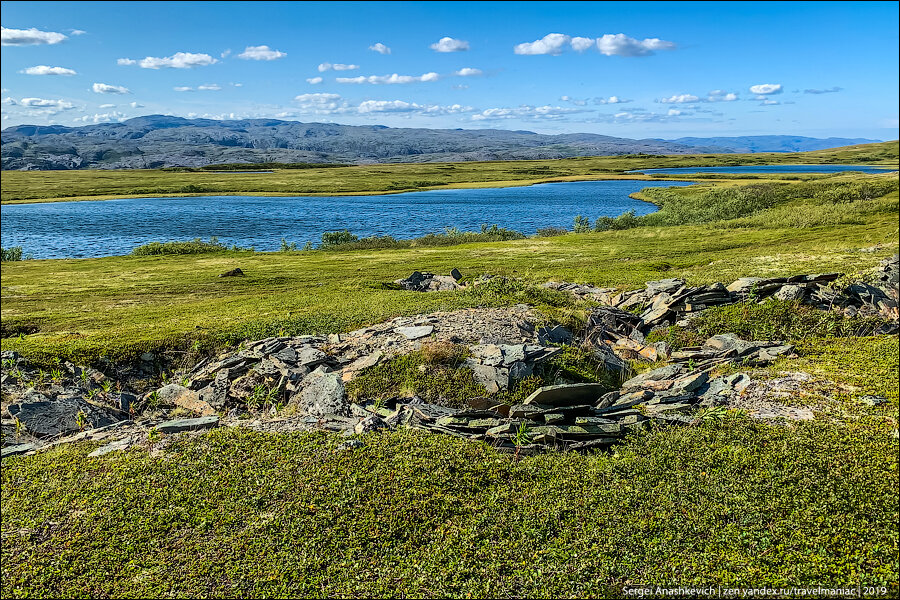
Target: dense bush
{"type": "Point", "coordinates": [12, 254]}
{"type": "Point", "coordinates": [194, 246]}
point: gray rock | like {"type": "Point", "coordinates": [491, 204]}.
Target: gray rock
{"type": "Point", "coordinates": [351, 445]}
{"type": "Point", "coordinates": [322, 394]}
{"type": "Point", "coordinates": [669, 286]}
{"type": "Point", "coordinates": [52, 418]}
{"type": "Point", "coordinates": [492, 378]}
{"type": "Point", "coordinates": [179, 395]}
{"type": "Point", "coordinates": [870, 400]}
{"type": "Point", "coordinates": [122, 444]}
{"type": "Point", "coordinates": [790, 293]}
{"type": "Point", "coordinates": [370, 424]}
{"type": "Point", "coordinates": [567, 395]}
{"type": "Point", "coordinates": [180, 425]}
{"type": "Point", "coordinates": [660, 374]}
{"type": "Point", "coordinates": [17, 449]}
{"type": "Point", "coordinates": [415, 333]}
{"type": "Point", "coordinates": [554, 335]}
{"type": "Point", "coordinates": [232, 273]}
{"type": "Point", "coordinates": [311, 357]}
{"type": "Point", "coordinates": [455, 274]}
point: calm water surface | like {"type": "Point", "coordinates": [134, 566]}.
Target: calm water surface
{"type": "Point", "coordinates": [770, 169]}
{"type": "Point", "coordinates": [115, 227]}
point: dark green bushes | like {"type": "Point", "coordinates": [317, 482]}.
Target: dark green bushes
{"type": "Point", "coordinates": [195, 246]}
{"type": "Point", "coordinates": [13, 254]}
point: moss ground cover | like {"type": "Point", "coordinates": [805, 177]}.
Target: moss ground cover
{"type": "Point", "coordinates": [242, 514]}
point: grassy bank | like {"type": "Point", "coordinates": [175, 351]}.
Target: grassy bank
{"type": "Point", "coordinates": [121, 306]}
{"type": "Point", "coordinates": [45, 186]}
{"type": "Point", "coordinates": [728, 501]}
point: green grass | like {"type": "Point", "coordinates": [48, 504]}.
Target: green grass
{"type": "Point", "coordinates": [122, 306]}
{"type": "Point", "coordinates": [236, 513]}
{"type": "Point", "coordinates": [31, 186]}
{"type": "Point", "coordinates": [730, 502]}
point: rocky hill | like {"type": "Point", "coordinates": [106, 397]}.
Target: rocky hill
{"type": "Point", "coordinates": [164, 141]}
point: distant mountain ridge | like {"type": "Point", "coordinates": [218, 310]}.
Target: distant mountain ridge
{"type": "Point", "coordinates": [772, 143]}
{"type": "Point", "coordinates": [155, 141]}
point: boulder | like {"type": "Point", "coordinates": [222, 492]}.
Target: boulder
{"type": "Point", "coordinates": [52, 418]}
{"type": "Point", "coordinates": [322, 394]}
{"type": "Point", "coordinates": [179, 395]}
{"type": "Point", "coordinates": [232, 273]}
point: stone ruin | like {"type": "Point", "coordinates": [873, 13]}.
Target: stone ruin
{"type": "Point", "coordinates": [308, 373]}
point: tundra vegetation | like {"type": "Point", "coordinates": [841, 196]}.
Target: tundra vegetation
{"type": "Point", "coordinates": [728, 501]}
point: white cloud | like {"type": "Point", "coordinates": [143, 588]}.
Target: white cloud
{"type": "Point", "coordinates": [831, 90]}
{"type": "Point", "coordinates": [314, 80]}
{"type": "Point", "coordinates": [101, 118]}
{"type": "Point", "coordinates": [580, 44]}
{"type": "Point", "coordinates": [389, 79]}
{"type": "Point", "coordinates": [769, 102]}
{"type": "Point", "coordinates": [721, 96]}
{"type": "Point", "coordinates": [107, 106]}
{"type": "Point", "coordinates": [552, 43]}
{"type": "Point", "coordinates": [380, 48]}
{"type": "Point", "coordinates": [29, 37]}
{"type": "Point", "coordinates": [764, 89]}
{"type": "Point", "coordinates": [209, 87]}
{"type": "Point", "coordinates": [44, 103]}
{"type": "Point", "coordinates": [609, 44]}
{"type": "Point", "coordinates": [105, 88]}
{"type": "Point", "coordinates": [336, 66]}
{"type": "Point", "coordinates": [183, 88]}
{"type": "Point", "coordinates": [179, 60]}
{"type": "Point", "coordinates": [611, 100]}
{"type": "Point", "coordinates": [468, 72]}
{"type": "Point", "coordinates": [323, 104]}
{"type": "Point", "coordinates": [9, 102]}
{"type": "Point", "coordinates": [571, 100]}
{"type": "Point", "coordinates": [225, 53]}
{"type": "Point", "coordinates": [45, 70]}
{"type": "Point", "coordinates": [449, 44]}
{"type": "Point", "coordinates": [136, 105]}
{"type": "Point", "coordinates": [78, 32]}
{"type": "Point", "coordinates": [525, 111]}
{"type": "Point", "coordinates": [261, 53]}
{"type": "Point", "coordinates": [620, 44]}
{"type": "Point", "coordinates": [679, 99]}
{"type": "Point", "coordinates": [238, 84]}
{"type": "Point", "coordinates": [673, 112]}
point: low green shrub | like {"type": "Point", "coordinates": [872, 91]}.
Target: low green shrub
{"type": "Point", "coordinates": [195, 246]}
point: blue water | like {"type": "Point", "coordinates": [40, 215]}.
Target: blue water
{"type": "Point", "coordinates": [115, 227]}
{"type": "Point", "coordinates": [769, 169]}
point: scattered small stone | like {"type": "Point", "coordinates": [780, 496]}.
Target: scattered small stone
{"type": "Point", "coordinates": [180, 425]}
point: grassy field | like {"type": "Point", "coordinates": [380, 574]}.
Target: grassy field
{"type": "Point", "coordinates": [730, 502]}
{"type": "Point", "coordinates": [32, 186]}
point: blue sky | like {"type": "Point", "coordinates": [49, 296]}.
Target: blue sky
{"type": "Point", "coordinates": [640, 69]}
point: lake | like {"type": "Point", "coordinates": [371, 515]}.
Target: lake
{"type": "Point", "coordinates": [115, 227]}
{"type": "Point", "coordinates": [768, 169]}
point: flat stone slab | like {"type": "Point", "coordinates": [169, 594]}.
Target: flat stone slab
{"type": "Point", "coordinates": [415, 333]}
{"type": "Point", "coordinates": [567, 395]}
{"type": "Point", "coordinates": [17, 450]}
{"type": "Point", "coordinates": [50, 418]}
{"type": "Point", "coordinates": [111, 447]}
{"type": "Point", "coordinates": [179, 425]}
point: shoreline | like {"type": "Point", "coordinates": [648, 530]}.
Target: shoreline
{"type": "Point", "coordinates": [451, 186]}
